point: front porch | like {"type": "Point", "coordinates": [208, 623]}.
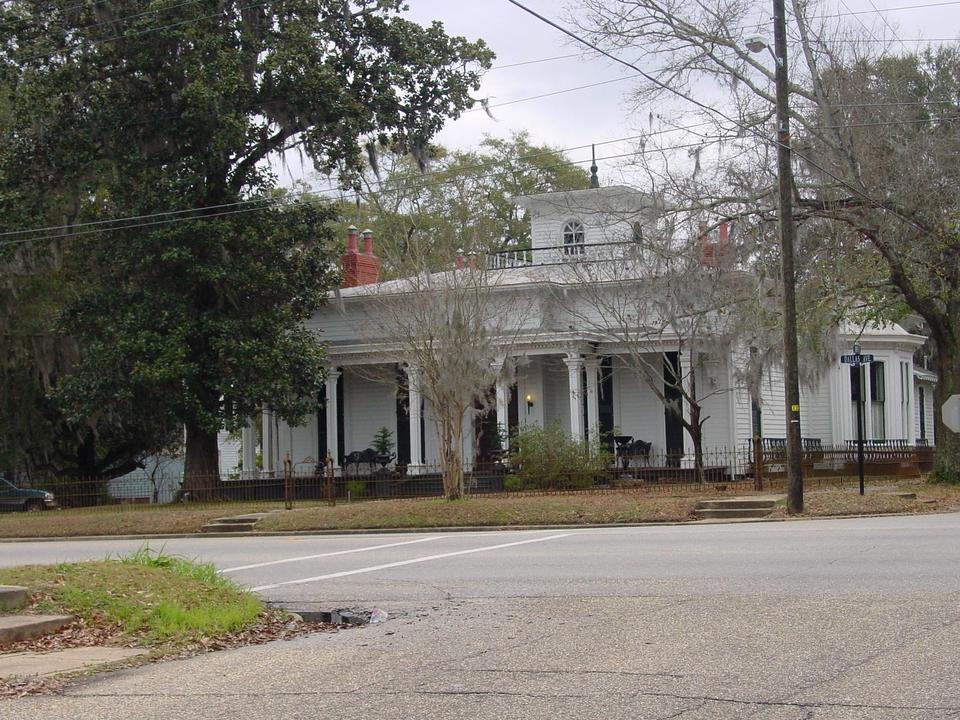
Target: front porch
{"type": "Point", "coordinates": [590, 395]}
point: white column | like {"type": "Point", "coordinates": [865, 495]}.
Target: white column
{"type": "Point", "coordinates": [333, 437]}
{"type": "Point", "coordinates": [911, 404]}
{"type": "Point", "coordinates": [248, 446]}
{"type": "Point", "coordinates": [574, 363]}
{"type": "Point", "coordinates": [415, 402]}
{"type": "Point", "coordinates": [839, 404]}
{"type": "Point", "coordinates": [592, 366]}
{"type": "Point", "coordinates": [502, 393]}
{"type": "Point", "coordinates": [683, 360]}
{"type": "Point", "coordinates": [269, 448]}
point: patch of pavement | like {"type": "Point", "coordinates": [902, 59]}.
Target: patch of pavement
{"type": "Point", "coordinates": [29, 664]}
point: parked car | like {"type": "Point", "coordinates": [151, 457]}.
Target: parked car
{"type": "Point", "coordinates": [17, 498]}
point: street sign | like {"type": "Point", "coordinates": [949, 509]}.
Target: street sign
{"type": "Point", "coordinates": [951, 413]}
{"type": "Point", "coordinates": [860, 359]}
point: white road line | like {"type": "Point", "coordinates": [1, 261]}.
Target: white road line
{"type": "Point", "coordinates": [428, 558]}
{"type": "Point", "coordinates": [328, 554]}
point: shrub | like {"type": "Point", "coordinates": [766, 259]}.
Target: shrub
{"type": "Point", "coordinates": [356, 488]}
{"type": "Point", "coordinates": [515, 483]}
{"type": "Point", "coordinates": [548, 458]}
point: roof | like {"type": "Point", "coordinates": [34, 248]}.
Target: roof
{"type": "Point", "coordinates": [879, 332]}
{"type": "Point", "coordinates": [922, 374]}
{"type": "Point", "coordinates": [613, 197]}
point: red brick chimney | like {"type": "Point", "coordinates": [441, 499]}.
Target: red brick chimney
{"type": "Point", "coordinates": [359, 269]}
{"type": "Point", "coordinates": [714, 254]}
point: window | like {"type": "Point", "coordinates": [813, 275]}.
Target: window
{"type": "Point", "coordinates": [922, 408]}
{"type": "Point", "coordinates": [573, 237]}
{"type": "Point", "coordinates": [877, 389]}
{"type": "Point", "coordinates": [878, 398]}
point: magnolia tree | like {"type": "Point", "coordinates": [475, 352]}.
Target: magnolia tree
{"type": "Point", "coordinates": [876, 185]}
{"type": "Point", "coordinates": [453, 330]}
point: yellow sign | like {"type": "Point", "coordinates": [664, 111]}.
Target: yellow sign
{"type": "Point", "coordinates": [795, 408]}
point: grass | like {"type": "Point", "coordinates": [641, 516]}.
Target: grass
{"type": "Point", "coordinates": [149, 598]}
{"type": "Point", "coordinates": [825, 496]}
{"type": "Point", "coordinates": [879, 500]}
{"type": "Point", "coordinates": [121, 520]}
{"type": "Point", "coordinates": [583, 509]}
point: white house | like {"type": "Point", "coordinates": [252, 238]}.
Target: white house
{"type": "Point", "coordinates": [569, 373]}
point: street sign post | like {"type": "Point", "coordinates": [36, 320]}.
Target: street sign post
{"type": "Point", "coordinates": [858, 360]}
{"type": "Point", "coordinates": [951, 413]}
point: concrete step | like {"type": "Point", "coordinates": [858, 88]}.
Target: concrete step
{"type": "Point", "coordinates": [14, 628]}
{"type": "Point", "coordinates": [732, 513]}
{"type": "Point", "coordinates": [13, 597]}
{"type": "Point", "coordinates": [736, 504]}
{"type": "Point", "coordinates": [236, 523]}
{"type": "Point", "coordinates": [227, 527]}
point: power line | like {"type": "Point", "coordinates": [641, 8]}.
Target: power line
{"type": "Point", "coordinates": [866, 27]}
{"type": "Point", "coordinates": [549, 94]}
{"type": "Point", "coordinates": [535, 62]}
{"type": "Point", "coordinates": [395, 179]}
{"type": "Point", "coordinates": [704, 106]}
{"type": "Point", "coordinates": [267, 203]}
{"type": "Point", "coordinates": [886, 22]}
{"type": "Point", "coordinates": [499, 67]}
{"type": "Point", "coordinates": [419, 179]}
{"type": "Point", "coordinates": [885, 10]}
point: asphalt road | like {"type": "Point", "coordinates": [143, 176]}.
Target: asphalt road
{"type": "Point", "coordinates": [815, 619]}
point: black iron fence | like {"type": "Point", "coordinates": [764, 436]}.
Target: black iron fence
{"type": "Point", "coordinates": [759, 467]}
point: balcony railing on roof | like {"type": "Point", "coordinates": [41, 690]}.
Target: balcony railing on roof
{"type": "Point", "coordinates": [503, 259]}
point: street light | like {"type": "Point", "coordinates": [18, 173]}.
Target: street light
{"type": "Point", "coordinates": [756, 44]}
{"type": "Point", "coordinates": [791, 370]}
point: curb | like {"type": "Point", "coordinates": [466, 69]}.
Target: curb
{"type": "Point", "coordinates": [461, 528]}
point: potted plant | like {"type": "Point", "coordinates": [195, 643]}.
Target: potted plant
{"type": "Point", "coordinates": [383, 444]}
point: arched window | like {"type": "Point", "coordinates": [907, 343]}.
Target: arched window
{"type": "Point", "coordinates": [573, 237]}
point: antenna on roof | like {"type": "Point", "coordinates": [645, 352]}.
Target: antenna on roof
{"type": "Point", "coordinates": [594, 180]}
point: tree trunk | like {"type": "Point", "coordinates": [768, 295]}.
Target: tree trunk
{"type": "Point", "coordinates": [696, 437]}
{"type": "Point", "coordinates": [453, 478]}
{"type": "Point", "coordinates": [946, 466]}
{"type": "Point", "coordinates": [452, 462]}
{"type": "Point", "coordinates": [201, 470]}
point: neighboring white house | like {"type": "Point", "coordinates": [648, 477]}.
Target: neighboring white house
{"type": "Point", "coordinates": [567, 373]}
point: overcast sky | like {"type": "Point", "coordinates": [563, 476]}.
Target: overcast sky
{"type": "Point", "coordinates": [601, 113]}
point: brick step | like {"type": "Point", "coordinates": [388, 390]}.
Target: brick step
{"type": "Point", "coordinates": [14, 628]}
{"type": "Point", "coordinates": [13, 597]}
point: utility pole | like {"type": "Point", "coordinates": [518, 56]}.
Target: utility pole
{"type": "Point", "coordinates": [791, 370]}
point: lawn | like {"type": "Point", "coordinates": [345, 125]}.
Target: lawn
{"type": "Point", "coordinates": [572, 509]}
{"type": "Point", "coordinates": [121, 519]}
{"type": "Point", "coordinates": [879, 500]}
{"type": "Point", "coordinates": [824, 497]}
{"type": "Point", "coordinates": [148, 599]}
